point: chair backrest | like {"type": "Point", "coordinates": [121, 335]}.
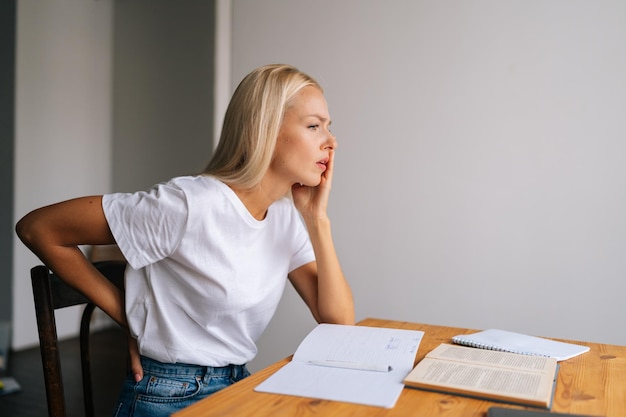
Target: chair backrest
{"type": "Point", "coordinates": [50, 293]}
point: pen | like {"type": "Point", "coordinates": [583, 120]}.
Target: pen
{"type": "Point", "coordinates": [353, 365]}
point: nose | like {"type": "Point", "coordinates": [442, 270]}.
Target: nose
{"type": "Point", "coordinates": [331, 141]}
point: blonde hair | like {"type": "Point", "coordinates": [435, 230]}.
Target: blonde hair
{"type": "Point", "coordinates": [252, 122]}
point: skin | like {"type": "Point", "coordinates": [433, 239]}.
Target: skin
{"type": "Point", "coordinates": [303, 162]}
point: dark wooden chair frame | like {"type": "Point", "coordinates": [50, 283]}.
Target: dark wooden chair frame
{"type": "Point", "coordinates": [50, 293]}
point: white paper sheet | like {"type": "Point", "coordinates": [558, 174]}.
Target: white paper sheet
{"type": "Point", "coordinates": [356, 346]}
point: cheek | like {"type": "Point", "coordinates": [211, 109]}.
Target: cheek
{"type": "Point", "coordinates": [286, 150]}
{"type": "Point", "coordinates": [281, 158]}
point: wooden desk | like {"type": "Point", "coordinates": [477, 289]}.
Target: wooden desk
{"type": "Point", "coordinates": [593, 383]}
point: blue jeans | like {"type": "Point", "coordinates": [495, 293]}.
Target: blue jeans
{"type": "Point", "coordinates": [170, 387]}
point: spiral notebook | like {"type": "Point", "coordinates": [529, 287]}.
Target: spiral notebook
{"type": "Point", "coordinates": [502, 340]}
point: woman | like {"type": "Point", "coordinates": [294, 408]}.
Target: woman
{"type": "Point", "coordinates": [209, 254]}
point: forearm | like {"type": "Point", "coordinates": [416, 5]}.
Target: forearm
{"type": "Point", "coordinates": [53, 233]}
{"type": "Point", "coordinates": [334, 296]}
{"type": "Point", "coordinates": [69, 264]}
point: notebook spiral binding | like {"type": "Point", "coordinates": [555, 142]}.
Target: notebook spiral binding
{"type": "Point", "coordinates": [474, 344]}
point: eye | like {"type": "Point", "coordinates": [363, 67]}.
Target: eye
{"type": "Point", "coordinates": [314, 127]}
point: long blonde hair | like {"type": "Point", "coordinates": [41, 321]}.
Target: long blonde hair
{"type": "Point", "coordinates": [252, 122]}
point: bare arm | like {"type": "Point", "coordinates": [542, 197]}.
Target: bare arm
{"type": "Point", "coordinates": [54, 232]}
{"type": "Point", "coordinates": [321, 284]}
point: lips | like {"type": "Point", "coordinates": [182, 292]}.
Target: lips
{"type": "Point", "coordinates": [323, 163]}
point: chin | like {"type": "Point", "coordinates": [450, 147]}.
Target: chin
{"type": "Point", "coordinates": [314, 183]}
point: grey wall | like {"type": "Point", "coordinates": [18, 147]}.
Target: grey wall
{"type": "Point", "coordinates": [110, 96]}
{"type": "Point", "coordinates": [481, 169]}
{"type": "Point", "coordinates": [163, 90]}
{"type": "Point", "coordinates": [7, 114]}
{"type": "Point", "coordinates": [62, 126]}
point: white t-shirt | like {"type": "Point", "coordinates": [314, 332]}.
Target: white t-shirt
{"type": "Point", "coordinates": [204, 276]}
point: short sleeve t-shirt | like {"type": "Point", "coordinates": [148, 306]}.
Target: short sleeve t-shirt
{"type": "Point", "coordinates": [204, 276]}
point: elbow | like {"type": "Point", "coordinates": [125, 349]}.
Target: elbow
{"type": "Point", "coordinates": [22, 230]}
{"type": "Point", "coordinates": [349, 319]}
{"type": "Point", "coordinates": [345, 321]}
{"type": "Point", "coordinates": [336, 311]}
{"type": "Point", "coordinates": [26, 229]}
{"type": "Point", "coordinates": [345, 317]}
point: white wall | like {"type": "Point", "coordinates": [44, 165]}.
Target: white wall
{"type": "Point", "coordinates": [163, 90]}
{"type": "Point", "coordinates": [63, 125]}
{"type": "Point", "coordinates": [105, 87]}
{"type": "Point", "coordinates": [481, 169]}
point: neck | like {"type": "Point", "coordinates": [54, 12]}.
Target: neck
{"type": "Point", "coordinates": [258, 199]}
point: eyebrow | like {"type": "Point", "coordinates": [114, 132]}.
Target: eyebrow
{"type": "Point", "coordinates": [317, 116]}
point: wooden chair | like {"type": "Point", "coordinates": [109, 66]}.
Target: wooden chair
{"type": "Point", "coordinates": [50, 293]}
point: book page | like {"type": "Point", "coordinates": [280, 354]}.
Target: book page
{"type": "Point", "coordinates": [355, 351]}
{"type": "Point", "coordinates": [358, 344]}
{"type": "Point", "coordinates": [492, 358]}
{"type": "Point", "coordinates": [484, 379]}
{"type": "Point", "coordinates": [486, 374]}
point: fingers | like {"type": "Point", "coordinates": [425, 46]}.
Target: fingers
{"type": "Point", "coordinates": [313, 200]}
{"type": "Point", "coordinates": [135, 360]}
{"type": "Point", "coordinates": [328, 174]}
{"type": "Point", "coordinates": [331, 162]}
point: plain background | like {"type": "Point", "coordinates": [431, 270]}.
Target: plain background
{"type": "Point", "coordinates": [480, 176]}
{"type": "Point", "coordinates": [110, 96]}
{"type": "Point", "coordinates": [481, 170]}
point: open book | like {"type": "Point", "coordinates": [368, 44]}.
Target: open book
{"type": "Point", "coordinates": [486, 374]}
{"type": "Point", "coordinates": [356, 364]}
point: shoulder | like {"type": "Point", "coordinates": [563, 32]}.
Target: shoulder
{"type": "Point", "coordinates": [180, 188]}
{"type": "Point", "coordinates": [197, 184]}
{"type": "Point", "coordinates": [171, 197]}
{"type": "Point", "coordinates": [284, 211]}
{"type": "Point", "coordinates": [194, 181]}
{"type": "Point", "coordinates": [202, 192]}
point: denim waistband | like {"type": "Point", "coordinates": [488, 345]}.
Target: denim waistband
{"type": "Point", "coordinates": [154, 367]}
